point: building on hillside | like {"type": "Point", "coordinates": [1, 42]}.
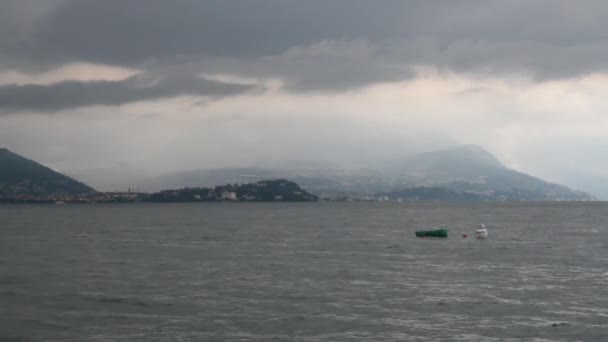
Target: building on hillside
{"type": "Point", "coordinates": [229, 196]}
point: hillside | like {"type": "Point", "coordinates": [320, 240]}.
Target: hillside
{"type": "Point", "coordinates": [471, 171]}
{"type": "Point", "coordinates": [20, 176]}
{"type": "Point", "coordinates": [278, 190]}
{"type": "Point", "coordinates": [322, 181]}
{"type": "Point", "coordinates": [465, 172]}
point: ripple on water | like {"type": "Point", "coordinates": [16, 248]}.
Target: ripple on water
{"type": "Point", "coordinates": [269, 272]}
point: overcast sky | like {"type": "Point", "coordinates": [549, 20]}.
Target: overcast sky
{"type": "Point", "coordinates": [116, 87]}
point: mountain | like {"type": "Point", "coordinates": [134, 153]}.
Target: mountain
{"type": "Point", "coordinates": [466, 172]}
{"type": "Point", "coordinates": [20, 176]}
{"type": "Point", "coordinates": [277, 190]}
{"type": "Point", "coordinates": [469, 170]}
{"type": "Point", "coordinates": [465, 162]}
{"type": "Point", "coordinates": [211, 178]}
{"type": "Point", "coordinates": [320, 181]}
{"type": "Point", "coordinates": [592, 182]}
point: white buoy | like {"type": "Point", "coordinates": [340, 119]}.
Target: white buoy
{"type": "Point", "coordinates": [482, 232]}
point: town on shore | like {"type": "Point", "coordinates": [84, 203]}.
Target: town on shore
{"type": "Point", "coordinates": [278, 190]}
{"type": "Point", "coordinates": [463, 173]}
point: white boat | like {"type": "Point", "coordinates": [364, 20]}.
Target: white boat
{"type": "Point", "coordinates": [482, 232]}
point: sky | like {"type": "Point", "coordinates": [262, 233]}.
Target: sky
{"type": "Point", "coordinates": [111, 89]}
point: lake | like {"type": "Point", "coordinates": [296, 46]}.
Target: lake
{"type": "Point", "coordinates": [303, 272]}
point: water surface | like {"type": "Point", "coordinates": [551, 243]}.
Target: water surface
{"type": "Point", "coordinates": [303, 272]}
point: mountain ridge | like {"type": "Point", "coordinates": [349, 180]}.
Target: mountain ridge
{"type": "Point", "coordinates": [21, 176]}
{"type": "Point", "coordinates": [463, 169]}
{"type": "Point", "coordinates": [468, 172]}
{"type": "Point", "coordinates": [470, 169]}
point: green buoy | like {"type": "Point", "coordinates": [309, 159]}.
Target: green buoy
{"type": "Point", "coordinates": [443, 233]}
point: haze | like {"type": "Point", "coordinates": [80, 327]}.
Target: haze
{"type": "Point", "coordinates": [111, 90]}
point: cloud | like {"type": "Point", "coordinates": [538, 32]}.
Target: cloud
{"type": "Point", "coordinates": [364, 127]}
{"type": "Point", "coordinates": [70, 72]}
{"type": "Point", "coordinates": [73, 94]}
{"type": "Point", "coordinates": [342, 79]}
{"type": "Point", "coordinates": [325, 45]}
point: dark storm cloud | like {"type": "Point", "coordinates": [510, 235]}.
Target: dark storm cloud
{"type": "Point", "coordinates": [308, 44]}
{"type": "Point", "coordinates": [71, 94]}
{"type": "Point", "coordinates": [125, 32]}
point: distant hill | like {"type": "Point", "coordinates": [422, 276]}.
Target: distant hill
{"type": "Point", "coordinates": [321, 181]}
{"type": "Point", "coordinates": [472, 171]}
{"type": "Point", "coordinates": [466, 172]}
{"type": "Point", "coordinates": [466, 162]}
{"type": "Point", "coordinates": [20, 176]}
{"type": "Point", "coordinates": [278, 190]}
{"type": "Point", "coordinates": [424, 193]}
{"type": "Point", "coordinates": [213, 177]}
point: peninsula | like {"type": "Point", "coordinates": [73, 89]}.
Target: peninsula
{"type": "Point", "coordinates": [278, 190]}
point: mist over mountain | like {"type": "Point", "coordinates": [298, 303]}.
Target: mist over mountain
{"type": "Point", "coordinates": [590, 182]}
{"type": "Point", "coordinates": [216, 84]}
{"type": "Point", "coordinates": [21, 176]}
{"type": "Point", "coordinates": [463, 172]}
{"type": "Point", "coordinates": [468, 171]}
{"type": "Point", "coordinates": [472, 171]}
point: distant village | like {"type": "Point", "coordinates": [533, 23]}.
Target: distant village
{"type": "Point", "coordinates": [279, 190]}
{"type": "Point", "coordinates": [96, 197]}
{"type": "Point", "coordinates": [26, 181]}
